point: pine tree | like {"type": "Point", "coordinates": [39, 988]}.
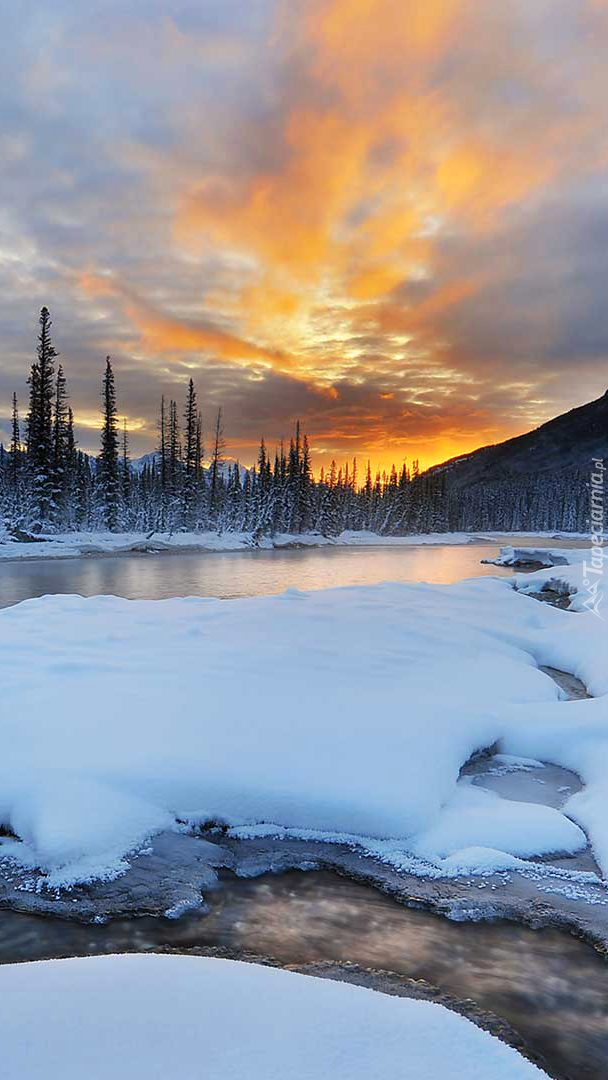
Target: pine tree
{"type": "Point", "coordinates": [173, 468]}
{"type": "Point", "coordinates": [109, 487]}
{"type": "Point", "coordinates": [198, 464]}
{"type": "Point", "coordinates": [83, 486]}
{"type": "Point", "coordinates": [190, 469]}
{"type": "Point", "coordinates": [305, 490]}
{"type": "Point", "coordinates": [60, 447]}
{"type": "Point", "coordinates": [125, 478]}
{"type": "Point", "coordinates": [162, 456]}
{"type": "Point", "coordinates": [40, 425]}
{"type": "Point", "coordinates": [60, 420]}
{"type": "Point", "coordinates": [217, 457]}
{"type": "Point", "coordinates": [15, 449]}
{"type": "Point", "coordinates": [70, 471]}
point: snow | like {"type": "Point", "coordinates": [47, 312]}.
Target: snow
{"type": "Point", "coordinates": [73, 544]}
{"type": "Point", "coordinates": [581, 574]}
{"type": "Point", "coordinates": [153, 1017]}
{"type": "Point", "coordinates": [516, 761]}
{"type": "Point", "coordinates": [342, 713]}
{"type": "Point", "coordinates": [587, 589]}
{"type": "Point", "coordinates": [475, 818]}
{"type": "Point", "coordinates": [512, 556]}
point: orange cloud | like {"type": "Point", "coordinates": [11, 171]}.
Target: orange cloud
{"type": "Point", "coordinates": [404, 129]}
{"type": "Point", "coordinates": [371, 173]}
{"type": "Point", "coordinates": [161, 332]}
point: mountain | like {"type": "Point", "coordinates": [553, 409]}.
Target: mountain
{"type": "Point", "coordinates": [138, 464]}
{"type": "Point", "coordinates": [569, 441]}
{"type": "Point", "coordinates": [152, 458]}
{"type": "Point", "coordinates": [536, 482]}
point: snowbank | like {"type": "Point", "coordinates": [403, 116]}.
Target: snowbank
{"type": "Point", "coordinates": [136, 1017]}
{"type": "Point", "coordinates": [344, 712]}
{"type": "Point", "coordinates": [475, 818]}
{"type": "Point", "coordinates": [581, 648]}
{"type": "Point", "coordinates": [581, 574]}
{"type": "Point", "coordinates": [522, 556]}
{"type": "Point", "coordinates": [587, 589]}
{"type": "Point", "coordinates": [73, 544]}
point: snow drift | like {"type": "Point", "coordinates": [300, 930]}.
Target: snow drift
{"type": "Point", "coordinates": [339, 712]}
{"type": "Point", "coordinates": [136, 1017]}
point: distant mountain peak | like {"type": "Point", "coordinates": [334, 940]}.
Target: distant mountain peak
{"type": "Point", "coordinates": [153, 458]}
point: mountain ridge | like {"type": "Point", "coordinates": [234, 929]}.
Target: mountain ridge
{"type": "Point", "coordinates": [571, 439]}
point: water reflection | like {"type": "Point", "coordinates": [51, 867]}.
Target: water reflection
{"type": "Point", "coordinates": [243, 573]}
{"type": "Point", "coordinates": [552, 988]}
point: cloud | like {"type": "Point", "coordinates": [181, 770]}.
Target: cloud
{"type": "Point", "coordinates": [161, 333]}
{"type": "Point", "coordinates": [387, 217]}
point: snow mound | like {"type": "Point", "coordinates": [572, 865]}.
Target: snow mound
{"type": "Point", "coordinates": [339, 712]}
{"type": "Point", "coordinates": [474, 818]}
{"type": "Point", "coordinates": [146, 1017]}
{"type": "Point", "coordinates": [473, 860]}
{"type": "Point", "coordinates": [516, 556]}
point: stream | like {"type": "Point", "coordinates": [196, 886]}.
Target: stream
{"type": "Point", "coordinates": [551, 988]}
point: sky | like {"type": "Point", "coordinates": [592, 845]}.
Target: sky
{"type": "Point", "coordinates": [387, 218]}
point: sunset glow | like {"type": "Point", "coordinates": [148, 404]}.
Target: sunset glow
{"type": "Point", "coordinates": [385, 218]}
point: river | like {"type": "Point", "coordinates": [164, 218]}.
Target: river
{"type": "Point", "coordinates": [242, 573]}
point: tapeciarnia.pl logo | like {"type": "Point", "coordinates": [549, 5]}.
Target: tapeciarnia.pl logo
{"type": "Point", "coordinates": [594, 570]}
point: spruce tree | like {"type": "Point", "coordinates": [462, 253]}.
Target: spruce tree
{"type": "Point", "coordinates": [173, 468]}
{"type": "Point", "coordinates": [217, 457]}
{"type": "Point", "coordinates": [190, 468]}
{"type": "Point", "coordinates": [40, 426]}
{"type": "Point", "coordinates": [15, 448]}
{"type": "Point", "coordinates": [125, 478]}
{"type": "Point", "coordinates": [162, 456]}
{"type": "Point", "coordinates": [305, 490]}
{"type": "Point", "coordinates": [107, 463]}
{"type": "Point", "coordinates": [70, 442]}
{"type": "Point", "coordinates": [60, 447]}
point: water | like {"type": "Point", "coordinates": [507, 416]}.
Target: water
{"type": "Point", "coordinates": [242, 573]}
{"type": "Point", "coordinates": [552, 988]}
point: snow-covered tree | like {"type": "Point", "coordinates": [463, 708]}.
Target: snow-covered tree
{"type": "Point", "coordinates": [107, 479]}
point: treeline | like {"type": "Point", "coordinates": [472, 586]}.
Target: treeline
{"type": "Point", "coordinates": [48, 485]}
{"type": "Point", "coordinates": [544, 501]}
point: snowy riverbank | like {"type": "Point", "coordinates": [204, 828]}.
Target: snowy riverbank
{"type": "Point", "coordinates": [75, 544]}
{"type": "Point", "coordinates": [351, 717]}
{"type": "Point", "coordinates": [577, 575]}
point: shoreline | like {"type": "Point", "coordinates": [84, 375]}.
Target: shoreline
{"type": "Point", "coordinates": [243, 544]}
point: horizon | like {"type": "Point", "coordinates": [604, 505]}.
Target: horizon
{"type": "Point", "coordinates": [320, 458]}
